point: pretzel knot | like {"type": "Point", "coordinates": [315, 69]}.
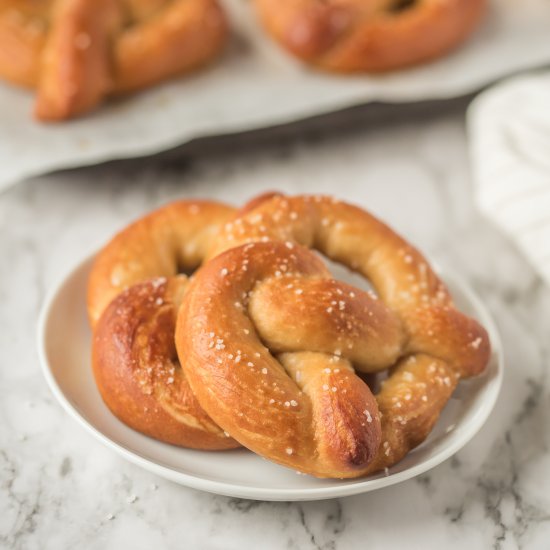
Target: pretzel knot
{"type": "Point", "coordinates": [373, 35]}
{"type": "Point", "coordinates": [134, 292]}
{"type": "Point", "coordinates": [273, 342]}
{"type": "Point", "coordinates": [76, 52]}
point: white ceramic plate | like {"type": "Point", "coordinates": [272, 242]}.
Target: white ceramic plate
{"type": "Point", "coordinates": [64, 347]}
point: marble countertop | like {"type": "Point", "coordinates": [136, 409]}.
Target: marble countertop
{"type": "Point", "coordinates": [60, 488]}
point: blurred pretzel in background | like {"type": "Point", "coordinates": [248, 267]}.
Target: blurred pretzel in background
{"type": "Point", "coordinates": [77, 52]}
{"type": "Point", "coordinates": [369, 35]}
{"type": "Point", "coordinates": [272, 343]}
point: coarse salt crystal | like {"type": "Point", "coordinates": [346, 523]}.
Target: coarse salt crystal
{"type": "Point", "coordinates": [476, 343]}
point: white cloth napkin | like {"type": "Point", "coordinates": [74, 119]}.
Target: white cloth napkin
{"type": "Point", "coordinates": [509, 129]}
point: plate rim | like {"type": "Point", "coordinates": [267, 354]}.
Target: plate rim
{"type": "Point", "coordinates": [231, 489]}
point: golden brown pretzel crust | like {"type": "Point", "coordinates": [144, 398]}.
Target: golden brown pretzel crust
{"type": "Point", "coordinates": [138, 373]}
{"type": "Point", "coordinates": [314, 415]}
{"type": "Point", "coordinates": [76, 52]}
{"type": "Point", "coordinates": [133, 295]}
{"type": "Point", "coordinates": [272, 297]}
{"type": "Point", "coordinates": [400, 274]}
{"type": "Point", "coordinates": [174, 238]}
{"type": "Point", "coordinates": [369, 35]}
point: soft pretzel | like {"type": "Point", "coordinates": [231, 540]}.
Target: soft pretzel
{"type": "Point", "coordinates": [134, 293]}
{"type": "Point", "coordinates": [314, 415]}
{"type": "Point", "coordinates": [76, 52]}
{"type": "Point", "coordinates": [272, 340]}
{"type": "Point", "coordinates": [369, 35]}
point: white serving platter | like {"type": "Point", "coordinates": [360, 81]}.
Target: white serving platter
{"type": "Point", "coordinates": [256, 85]}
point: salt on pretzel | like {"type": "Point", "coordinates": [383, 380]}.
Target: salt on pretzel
{"type": "Point", "coordinates": [266, 292]}
{"type": "Point", "coordinates": [369, 35]}
{"type": "Point", "coordinates": [255, 374]}
{"type": "Point", "coordinates": [76, 52]}
{"type": "Point", "coordinates": [134, 292]}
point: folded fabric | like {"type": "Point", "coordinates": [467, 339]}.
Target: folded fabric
{"type": "Point", "coordinates": [509, 130]}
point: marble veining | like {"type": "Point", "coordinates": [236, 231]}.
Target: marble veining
{"type": "Point", "coordinates": [59, 488]}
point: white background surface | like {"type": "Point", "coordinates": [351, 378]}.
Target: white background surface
{"type": "Point", "coordinates": [58, 486]}
{"type": "Point", "coordinates": [233, 95]}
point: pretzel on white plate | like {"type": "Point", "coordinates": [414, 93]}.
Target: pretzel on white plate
{"type": "Point", "coordinates": [272, 341]}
